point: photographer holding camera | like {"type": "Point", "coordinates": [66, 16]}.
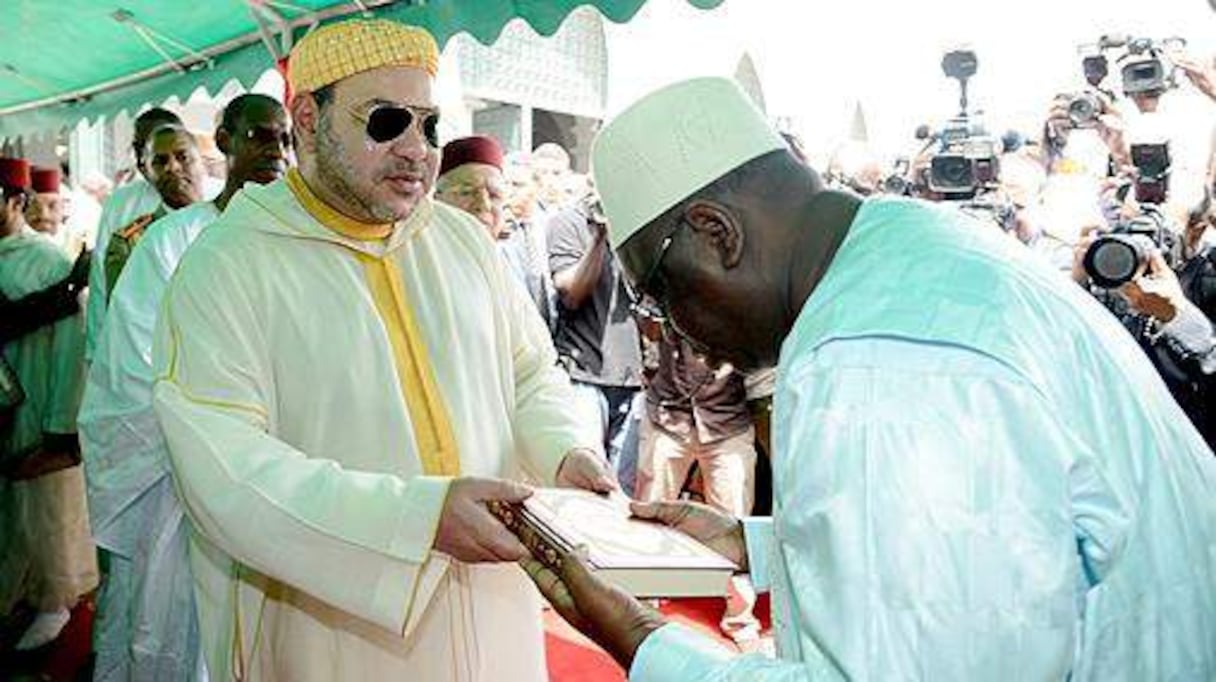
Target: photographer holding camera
{"type": "Point", "coordinates": [1090, 110]}
{"type": "Point", "coordinates": [1154, 268]}
{"type": "Point", "coordinates": [1168, 309]}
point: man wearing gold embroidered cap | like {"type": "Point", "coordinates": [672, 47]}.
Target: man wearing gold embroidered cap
{"type": "Point", "coordinates": [346, 378]}
{"type": "Point", "coordinates": [950, 502]}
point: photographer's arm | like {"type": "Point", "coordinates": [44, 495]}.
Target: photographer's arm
{"type": "Point", "coordinates": [1192, 340]}
{"type": "Point", "coordinates": [575, 275]}
{"type": "Point", "coordinates": [1112, 129]}
{"type": "Point", "coordinates": [1055, 132]}
{"type": "Point", "coordinates": [37, 310]}
{"type": "Point", "coordinates": [1186, 332]}
{"type": "Point", "coordinates": [1202, 75]}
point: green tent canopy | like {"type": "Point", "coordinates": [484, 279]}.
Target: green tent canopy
{"type": "Point", "coordinates": [71, 60]}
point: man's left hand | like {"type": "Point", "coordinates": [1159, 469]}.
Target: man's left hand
{"type": "Point", "coordinates": [583, 468]}
{"type": "Point", "coordinates": [1157, 292]}
{"type": "Point", "coordinates": [605, 613]}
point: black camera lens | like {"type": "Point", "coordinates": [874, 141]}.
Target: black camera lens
{"type": "Point", "coordinates": [895, 184]}
{"type": "Point", "coordinates": [1083, 110]}
{"type": "Point", "coordinates": [1144, 72]}
{"type": "Point", "coordinates": [950, 172]}
{"type": "Point", "coordinates": [1115, 259]}
{"type": "Point", "coordinates": [1144, 77]}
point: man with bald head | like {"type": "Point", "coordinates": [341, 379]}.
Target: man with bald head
{"type": "Point", "coordinates": [346, 377]}
{"type": "Point", "coordinates": [146, 615]}
{"type": "Point", "coordinates": [950, 502]}
{"type": "Point", "coordinates": [136, 198]}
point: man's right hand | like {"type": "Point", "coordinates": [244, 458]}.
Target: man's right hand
{"type": "Point", "coordinates": [1058, 123]}
{"type": "Point", "coordinates": [468, 532]}
{"type": "Point", "coordinates": [720, 532]}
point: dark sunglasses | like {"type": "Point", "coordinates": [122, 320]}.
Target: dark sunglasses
{"type": "Point", "coordinates": [387, 122]}
{"type": "Point", "coordinates": [644, 301]}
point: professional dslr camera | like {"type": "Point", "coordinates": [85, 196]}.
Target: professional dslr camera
{"type": "Point", "coordinates": [1084, 109]}
{"type": "Point", "coordinates": [967, 160]}
{"type": "Point", "coordinates": [897, 181]}
{"type": "Point", "coordinates": [1121, 255]}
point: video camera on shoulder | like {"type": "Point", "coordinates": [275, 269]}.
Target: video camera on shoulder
{"type": "Point", "coordinates": [1146, 69]}
{"type": "Point", "coordinates": [967, 160]}
{"type": "Point", "coordinates": [1122, 255]}
{"type": "Point", "coordinates": [1144, 65]}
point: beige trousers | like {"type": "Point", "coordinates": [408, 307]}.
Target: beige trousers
{"type": "Point", "coordinates": [54, 522]}
{"type": "Point", "coordinates": [728, 468]}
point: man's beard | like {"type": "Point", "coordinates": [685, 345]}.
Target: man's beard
{"type": "Point", "coordinates": [340, 178]}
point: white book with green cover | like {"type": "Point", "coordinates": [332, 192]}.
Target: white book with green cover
{"type": "Point", "coordinates": [644, 558]}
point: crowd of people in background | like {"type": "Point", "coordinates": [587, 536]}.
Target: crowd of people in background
{"type": "Point", "coordinates": [1131, 164]}
{"type": "Point", "coordinates": [83, 271]}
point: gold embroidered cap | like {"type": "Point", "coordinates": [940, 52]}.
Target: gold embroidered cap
{"type": "Point", "coordinates": [340, 50]}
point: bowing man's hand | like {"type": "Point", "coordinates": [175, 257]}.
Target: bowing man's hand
{"type": "Point", "coordinates": [606, 614]}
{"type": "Point", "coordinates": [468, 531]}
{"type": "Point", "coordinates": [582, 468]}
{"type": "Point", "coordinates": [720, 532]}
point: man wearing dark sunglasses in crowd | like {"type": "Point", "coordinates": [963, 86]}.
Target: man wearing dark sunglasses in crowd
{"type": "Point", "coordinates": [347, 375]}
{"type": "Point", "coordinates": [146, 614]}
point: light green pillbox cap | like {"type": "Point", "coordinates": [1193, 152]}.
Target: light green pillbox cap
{"type": "Point", "coordinates": [671, 143]}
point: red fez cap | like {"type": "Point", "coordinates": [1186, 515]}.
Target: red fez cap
{"type": "Point", "coordinates": [475, 149]}
{"type": "Point", "coordinates": [45, 180]}
{"type": "Point", "coordinates": [14, 173]}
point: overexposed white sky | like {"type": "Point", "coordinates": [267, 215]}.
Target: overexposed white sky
{"type": "Point", "coordinates": [818, 59]}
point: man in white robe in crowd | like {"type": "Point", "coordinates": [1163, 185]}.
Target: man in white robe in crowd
{"type": "Point", "coordinates": [345, 378]}
{"type": "Point", "coordinates": [137, 197]}
{"type": "Point", "coordinates": [978, 474]}
{"type": "Point", "coordinates": [146, 621]}
{"type": "Point", "coordinates": [47, 558]}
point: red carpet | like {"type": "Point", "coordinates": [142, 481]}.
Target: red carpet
{"type": "Point", "coordinates": [571, 657]}
{"type": "Point", "coordinates": [574, 658]}
{"type": "Point", "coordinates": [65, 659]}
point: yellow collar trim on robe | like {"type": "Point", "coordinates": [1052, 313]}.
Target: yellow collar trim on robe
{"type": "Point", "coordinates": [433, 435]}
{"type": "Point", "coordinates": [333, 219]}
